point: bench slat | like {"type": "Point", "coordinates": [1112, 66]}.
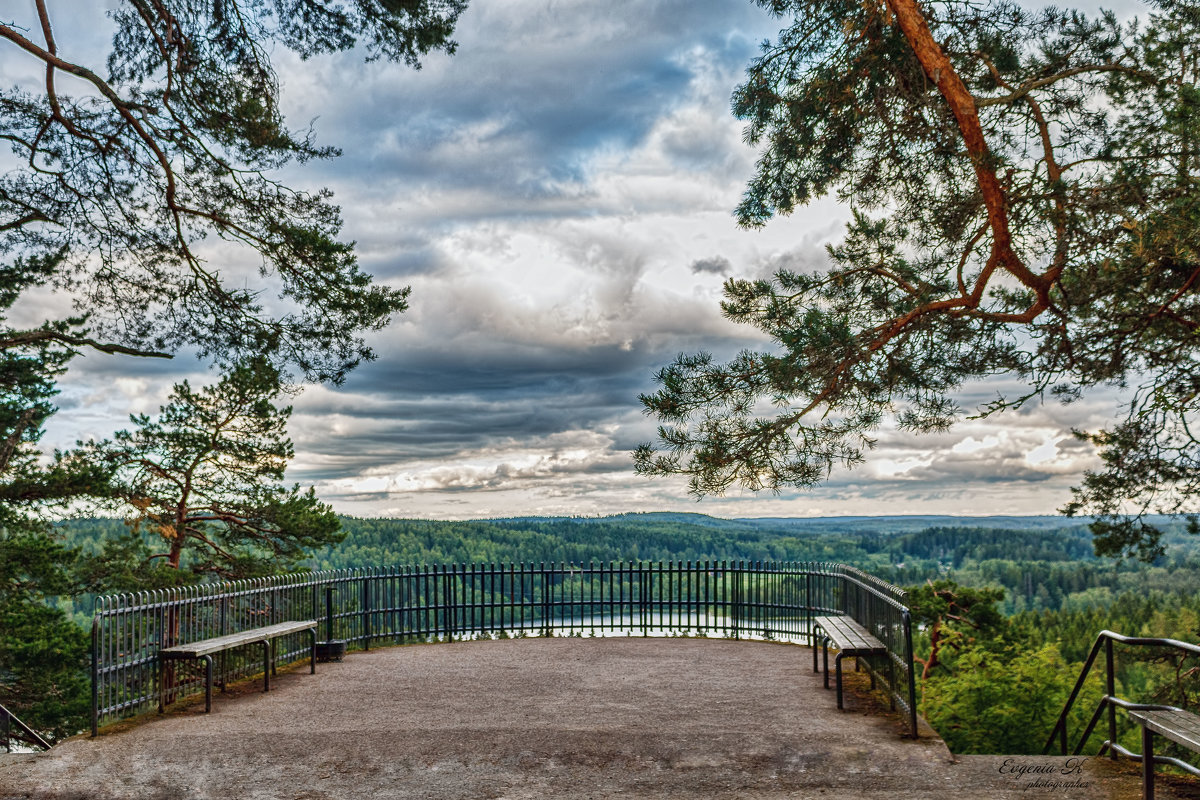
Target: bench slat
{"type": "Point", "coordinates": [848, 636]}
{"type": "Point", "coordinates": [219, 643]}
{"type": "Point", "coordinates": [1182, 727]}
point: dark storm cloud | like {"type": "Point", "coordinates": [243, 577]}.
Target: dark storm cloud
{"type": "Point", "coordinates": [717, 265]}
{"type": "Point", "coordinates": [436, 403]}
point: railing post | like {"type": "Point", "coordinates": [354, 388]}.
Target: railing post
{"type": "Point", "coordinates": [643, 594]}
{"type": "Point", "coordinates": [447, 629]}
{"type": "Point", "coordinates": [329, 590]}
{"type": "Point", "coordinates": [1147, 763]}
{"type": "Point", "coordinates": [313, 600]}
{"type": "Point", "coordinates": [912, 674]}
{"type": "Point", "coordinates": [448, 594]}
{"type": "Point", "coordinates": [223, 604]}
{"type": "Point", "coordinates": [808, 606]}
{"type": "Point", "coordinates": [1110, 689]}
{"type": "Point", "coordinates": [544, 604]}
{"type": "Point", "coordinates": [737, 595]}
{"type": "Point", "coordinates": [366, 611]}
{"type": "Point", "coordinates": [95, 673]}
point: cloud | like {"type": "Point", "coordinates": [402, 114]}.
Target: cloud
{"type": "Point", "coordinates": [559, 196]}
{"type": "Point", "coordinates": [533, 96]}
{"type": "Point", "coordinates": [716, 265]}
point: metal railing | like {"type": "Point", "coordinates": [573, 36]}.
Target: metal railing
{"type": "Point", "coordinates": [1110, 702]}
{"type": "Point", "coordinates": [879, 607]}
{"type": "Point", "coordinates": [25, 734]}
{"type": "Point", "coordinates": [393, 605]}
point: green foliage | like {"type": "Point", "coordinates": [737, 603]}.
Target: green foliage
{"type": "Point", "coordinates": [1024, 189]}
{"type": "Point", "coordinates": [1005, 699]}
{"type": "Point", "coordinates": [29, 366]}
{"type": "Point", "coordinates": [1025, 670]}
{"type": "Point", "coordinates": [43, 653]}
{"type": "Point", "coordinates": [945, 602]}
{"type": "Point", "coordinates": [642, 537]}
{"type": "Point", "coordinates": [204, 479]}
{"type": "Point", "coordinates": [951, 616]}
{"type": "Point", "coordinates": [1044, 568]}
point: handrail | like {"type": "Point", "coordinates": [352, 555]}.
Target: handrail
{"type": "Point", "coordinates": [6, 720]}
{"type": "Point", "coordinates": [1110, 702]}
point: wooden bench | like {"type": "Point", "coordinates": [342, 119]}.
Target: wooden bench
{"type": "Point", "coordinates": [851, 639]}
{"type": "Point", "coordinates": [205, 648]}
{"type": "Point", "coordinates": [1181, 727]}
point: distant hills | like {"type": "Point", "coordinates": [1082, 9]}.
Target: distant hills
{"type": "Point", "coordinates": [899, 523]}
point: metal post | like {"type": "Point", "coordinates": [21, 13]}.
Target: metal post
{"type": "Point", "coordinates": [208, 682]}
{"type": "Point", "coordinates": [313, 600]}
{"type": "Point", "coordinates": [447, 604]}
{"type": "Point", "coordinates": [912, 677]}
{"type": "Point", "coordinates": [95, 675]}
{"type": "Point", "coordinates": [643, 594]}
{"type": "Point", "coordinates": [329, 590]}
{"type": "Point", "coordinates": [366, 611]}
{"type": "Point", "coordinates": [1110, 689]}
{"type": "Point", "coordinates": [1147, 763]}
{"type": "Point", "coordinates": [737, 595]}
{"type": "Point", "coordinates": [545, 598]}
{"type": "Point", "coordinates": [808, 607]}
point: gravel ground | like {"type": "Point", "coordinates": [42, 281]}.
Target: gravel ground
{"type": "Point", "coordinates": [545, 718]}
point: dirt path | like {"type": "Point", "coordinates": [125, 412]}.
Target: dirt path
{"type": "Point", "coordinates": [540, 718]}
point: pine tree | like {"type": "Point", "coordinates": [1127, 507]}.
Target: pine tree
{"type": "Point", "coordinates": [202, 488]}
{"type": "Point", "coordinates": [1025, 188]}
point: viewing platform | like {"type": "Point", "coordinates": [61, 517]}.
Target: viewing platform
{"type": "Point", "coordinates": [560, 717]}
{"type": "Point", "coordinates": [631, 680]}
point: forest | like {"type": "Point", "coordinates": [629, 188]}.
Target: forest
{"type": "Point", "coordinates": [1017, 603]}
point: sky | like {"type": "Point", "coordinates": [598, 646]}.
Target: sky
{"type": "Point", "coordinates": [559, 196]}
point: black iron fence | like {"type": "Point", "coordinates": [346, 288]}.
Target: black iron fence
{"type": "Point", "coordinates": [394, 605]}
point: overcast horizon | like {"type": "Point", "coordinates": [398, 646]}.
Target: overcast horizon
{"type": "Point", "coordinates": [559, 196]}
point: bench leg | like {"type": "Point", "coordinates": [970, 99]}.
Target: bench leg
{"type": "Point", "coordinates": [826, 659]}
{"type": "Point", "coordinates": [838, 666]}
{"type": "Point", "coordinates": [1147, 763]}
{"type": "Point", "coordinates": [208, 681]}
{"type": "Point", "coordinates": [162, 684]}
{"type": "Point", "coordinates": [312, 667]}
{"type": "Point", "coordinates": [266, 666]}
